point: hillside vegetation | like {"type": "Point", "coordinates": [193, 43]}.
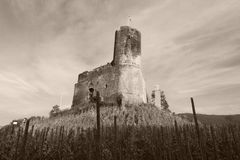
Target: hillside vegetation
{"type": "Point", "coordinates": [213, 119]}
{"type": "Point", "coordinates": [126, 142]}
{"type": "Point", "coordinates": [142, 115]}
{"type": "Point", "coordinates": [142, 132]}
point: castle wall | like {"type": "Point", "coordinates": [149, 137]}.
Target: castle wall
{"type": "Point", "coordinates": [128, 57]}
{"type": "Point", "coordinates": [132, 85]}
{"type": "Point", "coordinates": [103, 79]}
{"type": "Point", "coordinates": [127, 49]}
{"type": "Point", "coordinates": [121, 79]}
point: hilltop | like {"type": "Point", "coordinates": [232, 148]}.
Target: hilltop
{"type": "Point", "coordinates": [213, 119]}
{"type": "Point", "coordinates": [142, 115]}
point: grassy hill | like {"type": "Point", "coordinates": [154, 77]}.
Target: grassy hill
{"type": "Point", "coordinates": [213, 119]}
{"type": "Point", "coordinates": [135, 115]}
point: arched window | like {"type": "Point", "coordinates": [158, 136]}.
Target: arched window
{"type": "Point", "coordinates": [91, 90]}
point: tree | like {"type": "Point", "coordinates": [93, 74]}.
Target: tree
{"type": "Point", "coordinates": [153, 97]}
{"type": "Point", "coordinates": [164, 103]}
{"type": "Point", "coordinates": [55, 110]}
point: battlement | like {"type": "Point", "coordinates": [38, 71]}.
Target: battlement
{"type": "Point", "coordinates": [83, 75]}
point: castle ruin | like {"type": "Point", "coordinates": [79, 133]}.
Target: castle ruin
{"type": "Point", "coordinates": [119, 82]}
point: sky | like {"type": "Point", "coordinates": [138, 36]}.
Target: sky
{"type": "Point", "coordinates": [190, 48]}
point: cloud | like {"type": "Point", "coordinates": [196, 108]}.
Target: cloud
{"type": "Point", "coordinates": [188, 48]}
{"type": "Point", "coordinates": [198, 57]}
{"type": "Point", "coordinates": [10, 81]}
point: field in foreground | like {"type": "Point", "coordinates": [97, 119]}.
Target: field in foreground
{"type": "Point", "coordinates": [138, 133]}
{"type": "Point", "coordinates": [122, 143]}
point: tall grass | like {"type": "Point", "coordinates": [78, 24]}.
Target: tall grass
{"type": "Point", "coordinates": [142, 115]}
{"type": "Point", "coordinates": [128, 143]}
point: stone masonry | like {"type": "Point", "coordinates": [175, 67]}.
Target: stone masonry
{"type": "Point", "coordinates": [119, 82]}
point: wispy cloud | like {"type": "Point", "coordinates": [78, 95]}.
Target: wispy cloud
{"type": "Point", "coordinates": [189, 49]}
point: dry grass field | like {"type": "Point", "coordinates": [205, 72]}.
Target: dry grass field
{"type": "Point", "coordinates": [137, 133]}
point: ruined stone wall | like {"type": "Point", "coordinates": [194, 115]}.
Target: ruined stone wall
{"type": "Point", "coordinates": [128, 58]}
{"type": "Point", "coordinates": [122, 78]}
{"type": "Point", "coordinates": [157, 98]}
{"type": "Point", "coordinates": [127, 49]}
{"type": "Point", "coordinates": [103, 79]}
{"type": "Point", "coordinates": [131, 84]}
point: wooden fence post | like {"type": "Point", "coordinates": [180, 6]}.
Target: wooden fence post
{"type": "Point", "coordinates": [115, 138]}
{"type": "Point", "coordinates": [197, 129]}
{"type": "Point", "coordinates": [17, 143]}
{"type": "Point", "coordinates": [13, 129]}
{"type": "Point", "coordinates": [32, 130]}
{"type": "Point", "coordinates": [214, 143]}
{"type": "Point", "coordinates": [25, 136]}
{"type": "Point", "coordinates": [195, 120]}
{"type": "Point", "coordinates": [179, 141]}
{"type": "Point", "coordinates": [98, 100]}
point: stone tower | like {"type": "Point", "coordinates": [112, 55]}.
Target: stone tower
{"type": "Point", "coordinates": [121, 79]}
{"type": "Point", "coordinates": [127, 47]}
{"type": "Point", "coordinates": [127, 57]}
